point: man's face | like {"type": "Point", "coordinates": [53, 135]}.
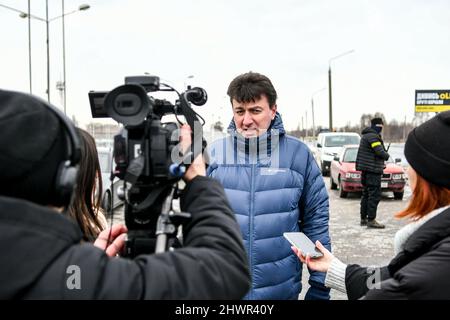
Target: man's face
{"type": "Point", "coordinates": [253, 119]}
{"type": "Point", "coordinates": [380, 127]}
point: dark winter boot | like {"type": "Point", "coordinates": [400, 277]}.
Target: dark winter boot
{"type": "Point", "coordinates": [374, 224]}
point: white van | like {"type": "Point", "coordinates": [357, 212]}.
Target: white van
{"type": "Point", "coordinates": [329, 144]}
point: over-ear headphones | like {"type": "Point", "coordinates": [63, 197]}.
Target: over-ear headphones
{"type": "Point", "coordinates": [66, 177]}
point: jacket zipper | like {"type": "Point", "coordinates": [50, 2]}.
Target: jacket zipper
{"type": "Point", "coordinates": [251, 217]}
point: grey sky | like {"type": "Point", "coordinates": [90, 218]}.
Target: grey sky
{"type": "Point", "coordinates": [399, 46]}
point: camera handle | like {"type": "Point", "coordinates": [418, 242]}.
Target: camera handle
{"type": "Point", "coordinates": [168, 222]}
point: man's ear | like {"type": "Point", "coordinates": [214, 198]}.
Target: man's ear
{"type": "Point", "coordinates": [273, 110]}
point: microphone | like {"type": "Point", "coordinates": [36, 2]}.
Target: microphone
{"type": "Point", "coordinates": [197, 96]}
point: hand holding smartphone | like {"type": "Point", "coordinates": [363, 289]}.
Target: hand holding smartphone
{"type": "Point", "coordinates": [303, 243]}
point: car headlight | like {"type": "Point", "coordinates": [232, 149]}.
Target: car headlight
{"type": "Point", "coordinates": [352, 175]}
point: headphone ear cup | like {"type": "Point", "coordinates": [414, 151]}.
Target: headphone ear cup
{"type": "Point", "coordinates": [65, 182]}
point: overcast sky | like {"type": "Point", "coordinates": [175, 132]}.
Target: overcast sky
{"type": "Point", "coordinates": [400, 46]}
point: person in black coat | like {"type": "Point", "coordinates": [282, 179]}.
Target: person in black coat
{"type": "Point", "coordinates": [370, 161]}
{"type": "Point", "coordinates": [42, 252]}
{"type": "Point", "coordinates": [422, 247]}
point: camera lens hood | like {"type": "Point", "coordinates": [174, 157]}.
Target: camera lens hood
{"type": "Point", "coordinates": [128, 104]}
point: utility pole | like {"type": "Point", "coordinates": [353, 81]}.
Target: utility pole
{"type": "Point", "coordinates": [404, 130]}
{"type": "Point", "coordinates": [62, 85]}
{"type": "Point", "coordinates": [48, 50]}
{"type": "Point", "coordinates": [330, 99]}
{"type": "Point", "coordinates": [306, 123]}
{"type": "Point", "coordinates": [29, 45]}
{"type": "Point", "coordinates": [303, 128]}
{"type": "Point", "coordinates": [64, 56]}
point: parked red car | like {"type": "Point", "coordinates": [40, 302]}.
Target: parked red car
{"type": "Point", "coordinates": [344, 176]}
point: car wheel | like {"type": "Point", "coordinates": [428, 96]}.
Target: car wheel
{"type": "Point", "coordinates": [324, 171]}
{"type": "Point", "coordinates": [342, 193]}
{"type": "Point", "coordinates": [398, 195]}
{"type": "Point", "coordinates": [333, 186]}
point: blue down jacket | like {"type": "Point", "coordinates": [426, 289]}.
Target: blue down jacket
{"type": "Point", "coordinates": [274, 185]}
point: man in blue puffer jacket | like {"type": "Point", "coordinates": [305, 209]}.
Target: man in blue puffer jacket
{"type": "Point", "coordinates": [274, 185]}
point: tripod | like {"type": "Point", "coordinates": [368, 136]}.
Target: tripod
{"type": "Point", "coordinates": [168, 222]}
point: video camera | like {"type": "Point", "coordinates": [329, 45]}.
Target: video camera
{"type": "Point", "coordinates": [147, 157]}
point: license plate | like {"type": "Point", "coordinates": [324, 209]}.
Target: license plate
{"type": "Point", "coordinates": [384, 184]}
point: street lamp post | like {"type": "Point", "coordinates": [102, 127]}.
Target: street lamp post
{"type": "Point", "coordinates": [82, 7]}
{"type": "Point", "coordinates": [29, 46]}
{"type": "Point", "coordinates": [29, 16]}
{"type": "Point", "coordinates": [330, 99]}
{"type": "Point", "coordinates": [24, 15]}
{"type": "Point", "coordinates": [306, 124]}
{"type": "Point", "coordinates": [47, 23]}
{"type": "Point", "coordinates": [64, 54]}
{"type": "Point", "coordinates": [312, 110]}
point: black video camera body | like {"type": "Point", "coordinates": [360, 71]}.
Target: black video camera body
{"type": "Point", "coordinates": [146, 151]}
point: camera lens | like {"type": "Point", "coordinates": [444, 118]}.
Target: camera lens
{"type": "Point", "coordinates": [128, 104]}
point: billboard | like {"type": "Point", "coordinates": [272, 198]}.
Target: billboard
{"type": "Point", "coordinates": [432, 100]}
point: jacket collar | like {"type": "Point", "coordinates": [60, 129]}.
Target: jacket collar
{"type": "Point", "coordinates": [369, 130]}
{"type": "Point", "coordinates": [276, 124]}
{"type": "Point", "coordinates": [430, 233]}
{"type": "Point", "coordinates": [259, 148]}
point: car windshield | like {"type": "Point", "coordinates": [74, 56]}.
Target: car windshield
{"type": "Point", "coordinates": [105, 163]}
{"type": "Point", "coordinates": [350, 155]}
{"type": "Point", "coordinates": [339, 141]}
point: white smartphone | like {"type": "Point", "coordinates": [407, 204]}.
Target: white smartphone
{"type": "Point", "coordinates": [303, 243]}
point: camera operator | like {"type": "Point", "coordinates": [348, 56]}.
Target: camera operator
{"type": "Point", "coordinates": [42, 255]}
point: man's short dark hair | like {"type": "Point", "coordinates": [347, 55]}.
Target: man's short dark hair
{"type": "Point", "coordinates": [250, 86]}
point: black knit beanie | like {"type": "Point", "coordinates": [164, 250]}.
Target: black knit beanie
{"type": "Point", "coordinates": [32, 146]}
{"type": "Point", "coordinates": [427, 149]}
{"type": "Point", "coordinates": [376, 121]}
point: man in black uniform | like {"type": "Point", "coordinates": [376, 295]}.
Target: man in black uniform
{"type": "Point", "coordinates": [42, 253]}
{"type": "Point", "coordinates": [370, 161]}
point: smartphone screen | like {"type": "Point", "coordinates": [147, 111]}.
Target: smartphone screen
{"type": "Point", "coordinates": [303, 243]}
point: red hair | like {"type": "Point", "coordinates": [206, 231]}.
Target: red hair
{"type": "Point", "coordinates": [426, 198]}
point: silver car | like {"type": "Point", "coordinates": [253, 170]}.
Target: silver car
{"type": "Point", "coordinates": [105, 157]}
